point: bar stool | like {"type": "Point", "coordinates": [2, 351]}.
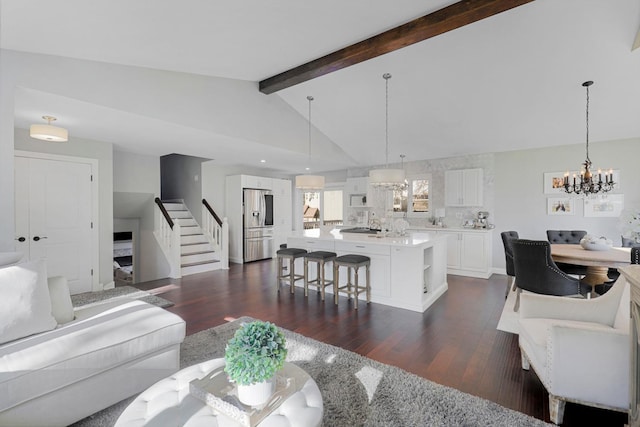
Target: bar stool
{"type": "Point", "coordinates": [283, 246]}
{"type": "Point", "coordinates": [320, 282]}
{"type": "Point", "coordinates": [352, 262]}
{"type": "Point", "coordinates": [290, 254]}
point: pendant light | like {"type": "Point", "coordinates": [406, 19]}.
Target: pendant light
{"type": "Point", "coordinates": [309, 182]}
{"type": "Point", "coordinates": [386, 178]}
{"type": "Point", "coordinates": [589, 183]}
{"type": "Point", "coordinates": [48, 132]}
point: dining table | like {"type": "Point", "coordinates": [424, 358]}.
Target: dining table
{"type": "Point", "coordinates": [597, 262]}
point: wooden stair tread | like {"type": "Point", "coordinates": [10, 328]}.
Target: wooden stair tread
{"type": "Point", "coordinates": [191, 264]}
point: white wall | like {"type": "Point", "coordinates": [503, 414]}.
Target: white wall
{"type": "Point", "coordinates": [102, 151]}
{"type": "Point", "coordinates": [521, 205]}
{"type": "Point", "coordinates": [136, 184]}
{"type": "Point", "coordinates": [136, 173]}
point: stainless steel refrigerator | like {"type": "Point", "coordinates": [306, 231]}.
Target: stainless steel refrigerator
{"type": "Point", "coordinates": [258, 224]}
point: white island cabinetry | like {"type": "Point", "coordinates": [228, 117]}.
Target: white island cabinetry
{"type": "Point", "coordinates": [406, 272]}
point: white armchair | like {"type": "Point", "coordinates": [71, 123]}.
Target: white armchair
{"type": "Point", "coordinates": [579, 348]}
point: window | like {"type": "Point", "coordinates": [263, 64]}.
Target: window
{"type": "Point", "coordinates": [322, 207]}
{"type": "Point", "coordinates": [332, 211]}
{"type": "Point", "coordinates": [311, 210]}
{"type": "Point", "coordinates": [413, 200]}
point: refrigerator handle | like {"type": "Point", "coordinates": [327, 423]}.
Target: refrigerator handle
{"type": "Point", "coordinates": [263, 209]}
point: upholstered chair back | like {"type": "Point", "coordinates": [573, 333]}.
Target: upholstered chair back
{"type": "Point", "coordinates": [507, 237]}
{"type": "Point", "coordinates": [629, 243]}
{"type": "Point", "coordinates": [565, 236]}
{"type": "Point", "coordinates": [537, 272]}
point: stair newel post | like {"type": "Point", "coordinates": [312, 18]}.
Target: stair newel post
{"type": "Point", "coordinates": [174, 249]}
{"type": "Point", "coordinates": [224, 244]}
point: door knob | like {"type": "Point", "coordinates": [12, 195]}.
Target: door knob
{"type": "Point", "coordinates": [36, 238]}
{"type": "Point", "coordinates": [21, 239]}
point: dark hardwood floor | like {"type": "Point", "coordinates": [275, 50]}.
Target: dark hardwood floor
{"type": "Point", "coordinates": [454, 343]}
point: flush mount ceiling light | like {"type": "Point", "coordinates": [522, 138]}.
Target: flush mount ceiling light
{"type": "Point", "coordinates": [48, 132]}
{"type": "Point", "coordinates": [309, 182]}
{"type": "Point", "coordinates": [386, 178]}
{"type": "Point", "coordinates": [589, 182]}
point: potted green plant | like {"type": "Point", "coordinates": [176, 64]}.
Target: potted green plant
{"type": "Point", "coordinates": [252, 357]}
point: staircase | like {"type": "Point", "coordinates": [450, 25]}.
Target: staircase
{"type": "Point", "coordinates": [196, 253]}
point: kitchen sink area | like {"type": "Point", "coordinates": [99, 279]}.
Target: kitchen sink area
{"type": "Point", "coordinates": [359, 230]}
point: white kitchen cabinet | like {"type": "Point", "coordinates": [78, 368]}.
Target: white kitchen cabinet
{"type": "Point", "coordinates": [282, 211]}
{"type": "Point", "coordinates": [463, 187]}
{"type": "Point", "coordinates": [259, 182]}
{"type": "Point", "coordinates": [469, 252]}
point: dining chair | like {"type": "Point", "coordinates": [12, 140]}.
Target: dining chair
{"type": "Point", "coordinates": [537, 272]}
{"type": "Point", "coordinates": [629, 243]}
{"type": "Point", "coordinates": [568, 237]}
{"type": "Point", "coordinates": [566, 340]}
{"type": "Point", "coordinates": [507, 237]}
{"type": "Point", "coordinates": [635, 255]}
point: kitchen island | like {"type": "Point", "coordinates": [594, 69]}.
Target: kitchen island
{"type": "Point", "coordinates": [407, 272]}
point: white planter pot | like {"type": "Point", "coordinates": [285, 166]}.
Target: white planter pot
{"type": "Point", "coordinates": [256, 394]}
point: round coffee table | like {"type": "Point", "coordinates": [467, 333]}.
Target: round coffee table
{"type": "Point", "coordinates": [169, 402]}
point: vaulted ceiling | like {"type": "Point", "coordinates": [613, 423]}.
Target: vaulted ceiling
{"type": "Point", "coordinates": [511, 81]}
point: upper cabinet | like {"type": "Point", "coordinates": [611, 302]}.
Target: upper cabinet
{"type": "Point", "coordinates": [463, 187]}
{"type": "Point", "coordinates": [259, 182]}
{"type": "Point", "coordinates": [282, 211]}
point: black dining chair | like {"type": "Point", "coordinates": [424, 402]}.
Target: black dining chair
{"type": "Point", "coordinates": [568, 237]}
{"type": "Point", "coordinates": [629, 243]}
{"type": "Point", "coordinates": [507, 237]}
{"type": "Point", "coordinates": [537, 272]}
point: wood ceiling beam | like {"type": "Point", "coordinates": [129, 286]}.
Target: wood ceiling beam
{"type": "Point", "coordinates": [449, 18]}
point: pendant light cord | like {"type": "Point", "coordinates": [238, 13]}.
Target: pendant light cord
{"type": "Point", "coordinates": [386, 77]}
{"type": "Point", "coordinates": [310, 98]}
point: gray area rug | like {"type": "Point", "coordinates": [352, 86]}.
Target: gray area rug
{"type": "Point", "coordinates": [92, 298]}
{"type": "Point", "coordinates": [356, 391]}
{"type": "Point", "coordinates": [359, 391]}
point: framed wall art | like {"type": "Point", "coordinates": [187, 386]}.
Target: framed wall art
{"type": "Point", "coordinates": [610, 205]}
{"type": "Point", "coordinates": [553, 182]}
{"type": "Point", "coordinates": [560, 206]}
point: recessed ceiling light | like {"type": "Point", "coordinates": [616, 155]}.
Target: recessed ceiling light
{"type": "Point", "coordinates": [263, 161]}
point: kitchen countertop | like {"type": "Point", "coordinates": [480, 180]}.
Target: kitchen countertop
{"type": "Point", "coordinates": [411, 239]}
{"type": "Point", "coordinates": [423, 228]}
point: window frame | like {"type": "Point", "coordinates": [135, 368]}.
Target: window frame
{"type": "Point", "coordinates": [410, 213]}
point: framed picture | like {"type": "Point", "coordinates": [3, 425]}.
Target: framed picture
{"type": "Point", "coordinates": [610, 205]}
{"type": "Point", "coordinates": [553, 182]}
{"type": "Point", "coordinates": [560, 206]}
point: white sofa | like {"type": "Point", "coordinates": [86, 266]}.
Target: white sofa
{"type": "Point", "coordinates": [106, 353]}
{"type": "Point", "coordinates": [579, 349]}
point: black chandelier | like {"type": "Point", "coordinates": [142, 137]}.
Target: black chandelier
{"type": "Point", "coordinates": [589, 183]}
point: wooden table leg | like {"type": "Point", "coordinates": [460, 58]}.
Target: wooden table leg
{"type": "Point", "coordinates": [595, 276]}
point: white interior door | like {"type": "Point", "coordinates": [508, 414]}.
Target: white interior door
{"type": "Point", "coordinates": [54, 216]}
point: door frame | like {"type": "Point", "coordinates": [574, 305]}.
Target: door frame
{"type": "Point", "coordinates": [95, 212]}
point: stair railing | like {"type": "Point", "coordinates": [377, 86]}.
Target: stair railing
{"type": "Point", "coordinates": [217, 231]}
{"type": "Point", "coordinates": [167, 233]}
